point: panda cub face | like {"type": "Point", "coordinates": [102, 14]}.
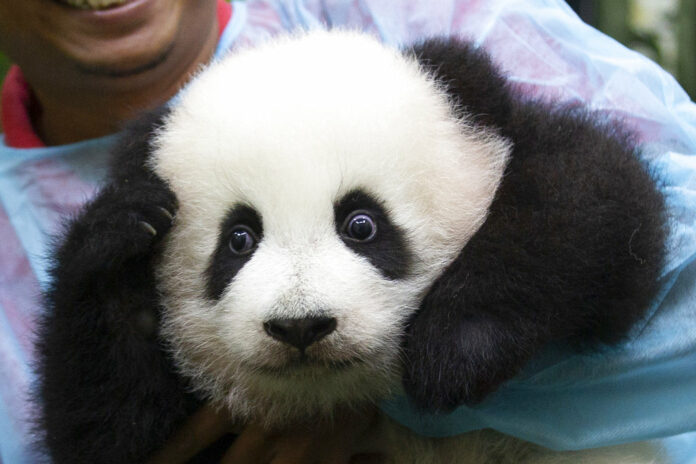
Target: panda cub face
{"type": "Point", "coordinates": [323, 185]}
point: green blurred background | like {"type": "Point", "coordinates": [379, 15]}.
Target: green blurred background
{"type": "Point", "coordinates": [664, 30]}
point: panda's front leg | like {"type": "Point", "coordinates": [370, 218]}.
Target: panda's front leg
{"type": "Point", "coordinates": [486, 315]}
{"type": "Point", "coordinates": [458, 349]}
{"type": "Point", "coordinates": [107, 389]}
{"type": "Point", "coordinates": [121, 227]}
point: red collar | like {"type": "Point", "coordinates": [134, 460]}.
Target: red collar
{"type": "Point", "coordinates": [17, 99]}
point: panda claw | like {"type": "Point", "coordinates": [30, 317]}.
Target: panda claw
{"type": "Point", "coordinates": [148, 228]}
{"type": "Point", "coordinates": [166, 212]}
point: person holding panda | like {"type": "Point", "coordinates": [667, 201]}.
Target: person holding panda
{"type": "Point", "coordinates": [82, 74]}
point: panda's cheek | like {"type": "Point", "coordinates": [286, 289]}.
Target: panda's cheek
{"type": "Point", "coordinates": [249, 296]}
{"type": "Point", "coordinates": [238, 317]}
{"type": "Point", "coordinates": [377, 320]}
{"type": "Point", "coordinates": [331, 280]}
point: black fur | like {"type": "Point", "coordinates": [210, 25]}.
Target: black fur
{"type": "Point", "coordinates": [571, 250]}
{"type": "Point", "coordinates": [224, 264]}
{"type": "Point", "coordinates": [107, 392]}
{"type": "Point", "coordinates": [388, 251]}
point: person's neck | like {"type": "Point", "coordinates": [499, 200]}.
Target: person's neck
{"type": "Point", "coordinates": [74, 107]}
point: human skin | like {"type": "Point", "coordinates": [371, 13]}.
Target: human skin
{"type": "Point", "coordinates": [311, 442]}
{"type": "Point", "coordinates": [93, 70]}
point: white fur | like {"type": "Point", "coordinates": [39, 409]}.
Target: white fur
{"type": "Point", "coordinates": [288, 129]}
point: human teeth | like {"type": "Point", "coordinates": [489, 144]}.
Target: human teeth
{"type": "Point", "coordinates": [93, 4]}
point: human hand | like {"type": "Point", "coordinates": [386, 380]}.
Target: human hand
{"type": "Point", "coordinates": [199, 431]}
{"type": "Point", "coordinates": [349, 439]}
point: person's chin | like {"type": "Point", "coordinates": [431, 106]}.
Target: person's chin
{"type": "Point", "coordinates": [130, 37]}
{"type": "Point", "coordinates": [125, 66]}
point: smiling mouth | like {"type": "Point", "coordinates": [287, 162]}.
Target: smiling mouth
{"type": "Point", "coordinates": [92, 4]}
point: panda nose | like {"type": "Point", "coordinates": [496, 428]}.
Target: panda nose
{"type": "Point", "coordinates": [300, 333]}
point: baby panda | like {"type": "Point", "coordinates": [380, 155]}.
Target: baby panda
{"type": "Point", "coordinates": [323, 221]}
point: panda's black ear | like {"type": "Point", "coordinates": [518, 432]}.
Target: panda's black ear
{"type": "Point", "coordinates": [477, 87]}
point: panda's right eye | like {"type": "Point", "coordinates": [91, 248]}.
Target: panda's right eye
{"type": "Point", "coordinates": [240, 234]}
{"type": "Point", "coordinates": [242, 240]}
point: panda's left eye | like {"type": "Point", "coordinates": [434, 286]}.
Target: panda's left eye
{"type": "Point", "coordinates": [242, 240]}
{"type": "Point", "coordinates": [360, 226]}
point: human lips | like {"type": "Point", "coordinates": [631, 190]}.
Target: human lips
{"type": "Point", "coordinates": [92, 4]}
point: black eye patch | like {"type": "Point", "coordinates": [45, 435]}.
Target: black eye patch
{"type": "Point", "coordinates": [240, 232]}
{"type": "Point", "coordinates": [364, 226]}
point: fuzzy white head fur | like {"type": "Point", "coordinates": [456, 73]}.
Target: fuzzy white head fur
{"type": "Point", "coordinates": [288, 129]}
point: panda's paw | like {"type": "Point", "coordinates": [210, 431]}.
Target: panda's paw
{"type": "Point", "coordinates": [152, 230]}
{"type": "Point", "coordinates": [153, 223]}
{"type": "Point", "coordinates": [139, 229]}
{"type": "Point", "coordinates": [437, 386]}
{"type": "Point", "coordinates": [119, 226]}
{"type": "Point", "coordinates": [463, 361]}
{"type": "Point", "coordinates": [134, 223]}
